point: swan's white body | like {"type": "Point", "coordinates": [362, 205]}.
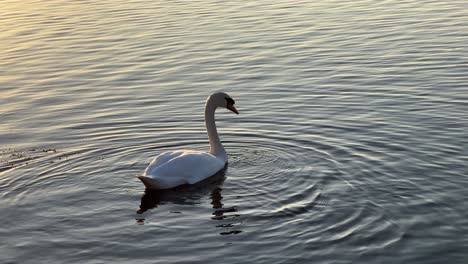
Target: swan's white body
{"type": "Point", "coordinates": [171, 169]}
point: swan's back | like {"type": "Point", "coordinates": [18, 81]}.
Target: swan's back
{"type": "Point", "coordinates": [171, 169]}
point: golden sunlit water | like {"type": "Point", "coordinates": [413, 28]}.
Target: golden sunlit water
{"type": "Point", "coordinates": [350, 147]}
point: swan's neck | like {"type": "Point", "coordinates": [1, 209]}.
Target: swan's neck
{"type": "Point", "coordinates": [216, 148]}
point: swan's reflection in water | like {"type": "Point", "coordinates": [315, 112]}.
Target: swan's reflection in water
{"type": "Point", "coordinates": [192, 195]}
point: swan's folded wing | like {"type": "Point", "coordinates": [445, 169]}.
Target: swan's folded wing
{"type": "Point", "coordinates": [161, 159]}
{"type": "Point", "coordinates": [191, 166]}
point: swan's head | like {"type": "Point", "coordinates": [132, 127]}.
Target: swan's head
{"type": "Point", "coordinates": [223, 100]}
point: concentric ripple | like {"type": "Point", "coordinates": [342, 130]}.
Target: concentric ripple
{"type": "Point", "coordinates": [302, 183]}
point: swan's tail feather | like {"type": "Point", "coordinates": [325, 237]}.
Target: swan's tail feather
{"type": "Point", "coordinates": [150, 183]}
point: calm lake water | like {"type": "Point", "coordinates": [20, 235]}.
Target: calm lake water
{"type": "Point", "coordinates": [351, 145]}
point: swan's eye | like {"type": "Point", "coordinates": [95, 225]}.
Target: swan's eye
{"type": "Point", "coordinates": [230, 101]}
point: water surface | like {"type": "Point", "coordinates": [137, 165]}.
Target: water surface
{"type": "Point", "coordinates": [350, 146]}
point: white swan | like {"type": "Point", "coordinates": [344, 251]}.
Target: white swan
{"type": "Point", "coordinates": [174, 168]}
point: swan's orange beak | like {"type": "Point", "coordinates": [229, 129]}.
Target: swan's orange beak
{"type": "Point", "coordinates": [232, 108]}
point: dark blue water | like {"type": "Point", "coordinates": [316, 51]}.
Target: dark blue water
{"type": "Point", "coordinates": [350, 146]}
